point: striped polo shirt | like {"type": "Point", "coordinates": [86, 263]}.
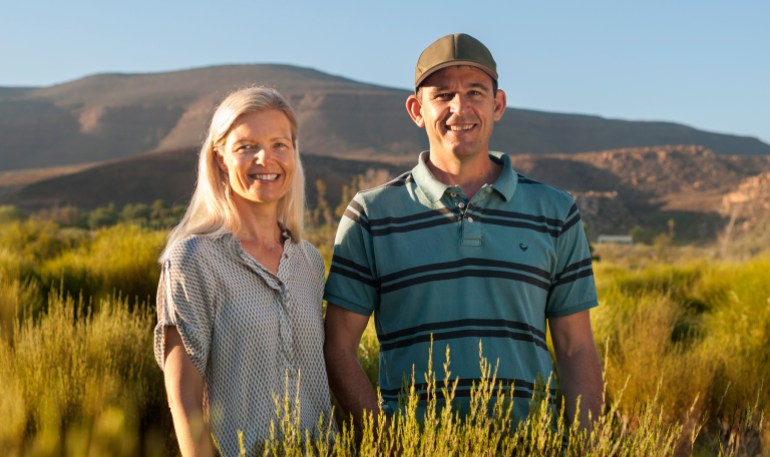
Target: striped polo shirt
{"type": "Point", "coordinates": [432, 264]}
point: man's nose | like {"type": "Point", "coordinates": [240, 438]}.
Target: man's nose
{"type": "Point", "coordinates": [457, 103]}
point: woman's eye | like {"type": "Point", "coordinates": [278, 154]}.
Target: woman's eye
{"type": "Point", "coordinates": [244, 148]}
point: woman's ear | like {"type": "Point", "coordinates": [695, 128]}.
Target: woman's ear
{"type": "Point", "coordinates": [220, 161]}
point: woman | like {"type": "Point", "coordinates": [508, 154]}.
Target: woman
{"type": "Point", "coordinates": [239, 297]}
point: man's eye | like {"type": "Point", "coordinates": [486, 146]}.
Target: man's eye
{"type": "Point", "coordinates": [444, 96]}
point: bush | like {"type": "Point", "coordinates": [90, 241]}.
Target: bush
{"type": "Point", "coordinates": [117, 260]}
{"type": "Point", "coordinates": [68, 375]}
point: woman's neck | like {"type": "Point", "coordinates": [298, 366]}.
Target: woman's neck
{"type": "Point", "coordinates": [260, 234]}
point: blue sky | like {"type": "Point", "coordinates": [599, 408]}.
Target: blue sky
{"type": "Point", "coordinates": [702, 63]}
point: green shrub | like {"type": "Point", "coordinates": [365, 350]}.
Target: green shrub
{"type": "Point", "coordinates": [440, 431]}
{"type": "Point", "coordinates": [701, 329]}
{"type": "Point", "coordinates": [34, 240]}
{"type": "Point", "coordinates": [9, 213]}
{"type": "Point", "coordinates": [16, 292]}
{"type": "Point", "coordinates": [118, 260]}
{"type": "Point", "coordinates": [66, 374]}
{"type": "Point", "coordinates": [686, 347]}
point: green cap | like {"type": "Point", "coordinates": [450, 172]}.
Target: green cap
{"type": "Point", "coordinates": [455, 49]}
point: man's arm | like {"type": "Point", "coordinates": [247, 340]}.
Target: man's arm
{"type": "Point", "coordinates": [347, 379]}
{"type": "Point", "coordinates": [578, 364]}
{"type": "Point", "coordinates": [184, 387]}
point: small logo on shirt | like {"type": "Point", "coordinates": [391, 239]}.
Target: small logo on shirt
{"type": "Point", "coordinates": [523, 246]}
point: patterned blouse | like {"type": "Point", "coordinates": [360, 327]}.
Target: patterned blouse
{"type": "Point", "coordinates": [253, 335]}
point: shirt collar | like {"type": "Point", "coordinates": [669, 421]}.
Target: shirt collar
{"type": "Point", "coordinates": [505, 185]}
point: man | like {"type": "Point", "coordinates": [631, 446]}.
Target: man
{"type": "Point", "coordinates": [462, 249]}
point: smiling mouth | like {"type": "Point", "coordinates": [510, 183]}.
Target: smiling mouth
{"type": "Point", "coordinates": [460, 128]}
{"type": "Point", "coordinates": [265, 176]}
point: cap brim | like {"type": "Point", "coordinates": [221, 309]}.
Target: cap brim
{"type": "Point", "coordinates": [426, 74]}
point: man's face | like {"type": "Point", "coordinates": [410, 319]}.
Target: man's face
{"type": "Point", "coordinates": [458, 109]}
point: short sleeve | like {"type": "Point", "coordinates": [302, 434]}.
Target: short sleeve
{"type": "Point", "coordinates": [573, 288]}
{"type": "Point", "coordinates": [183, 301]}
{"type": "Point", "coordinates": [315, 261]}
{"type": "Point", "coordinates": [352, 281]}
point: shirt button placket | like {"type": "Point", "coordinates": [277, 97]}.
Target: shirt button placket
{"type": "Point", "coordinates": [287, 339]}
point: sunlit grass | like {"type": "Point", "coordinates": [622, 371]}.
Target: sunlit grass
{"type": "Point", "coordinates": [119, 259]}
{"type": "Point", "coordinates": [685, 343]}
{"type": "Point", "coordinates": [67, 375]}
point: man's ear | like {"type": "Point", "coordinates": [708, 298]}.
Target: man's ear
{"type": "Point", "coordinates": [500, 104]}
{"type": "Point", "coordinates": [414, 108]}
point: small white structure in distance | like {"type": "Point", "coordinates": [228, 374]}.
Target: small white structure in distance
{"type": "Point", "coordinates": [617, 239]}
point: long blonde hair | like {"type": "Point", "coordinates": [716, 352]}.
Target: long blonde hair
{"type": "Point", "coordinates": [212, 211]}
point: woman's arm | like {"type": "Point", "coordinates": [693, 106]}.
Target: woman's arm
{"type": "Point", "coordinates": [184, 387]}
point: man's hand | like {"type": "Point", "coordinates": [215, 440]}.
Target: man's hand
{"type": "Point", "coordinates": [579, 367]}
{"type": "Point", "coordinates": [347, 379]}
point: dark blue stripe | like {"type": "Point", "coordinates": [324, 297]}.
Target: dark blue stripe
{"type": "Point", "coordinates": [575, 277]}
{"type": "Point", "coordinates": [573, 209]}
{"type": "Point", "coordinates": [412, 227]}
{"type": "Point", "coordinates": [570, 223]}
{"type": "Point", "coordinates": [516, 215]}
{"type": "Point", "coordinates": [472, 261]}
{"type": "Point", "coordinates": [521, 389]}
{"type": "Point", "coordinates": [577, 265]}
{"type": "Point", "coordinates": [399, 181]}
{"type": "Point", "coordinates": [353, 275]}
{"type": "Point", "coordinates": [413, 217]}
{"type": "Point", "coordinates": [424, 396]}
{"type": "Point", "coordinates": [465, 274]}
{"type": "Point", "coordinates": [359, 218]}
{"type": "Point", "coordinates": [339, 260]}
{"type": "Point", "coordinates": [470, 333]}
{"type": "Point", "coordinates": [461, 323]}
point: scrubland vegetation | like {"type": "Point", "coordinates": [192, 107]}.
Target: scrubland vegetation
{"type": "Point", "coordinates": [684, 335]}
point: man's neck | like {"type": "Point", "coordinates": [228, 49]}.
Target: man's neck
{"type": "Point", "coordinates": [468, 176]}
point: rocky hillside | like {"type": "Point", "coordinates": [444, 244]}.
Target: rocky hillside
{"type": "Point", "coordinates": [105, 117]}
{"type": "Point", "coordinates": [616, 190]}
{"type": "Point", "coordinates": [749, 204]}
{"type": "Point", "coordinates": [620, 189]}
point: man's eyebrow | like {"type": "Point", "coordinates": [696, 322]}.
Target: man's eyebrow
{"type": "Point", "coordinates": [478, 86]}
{"type": "Point", "coordinates": [438, 88]}
{"type": "Point", "coordinates": [470, 85]}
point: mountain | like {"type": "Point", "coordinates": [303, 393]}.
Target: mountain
{"type": "Point", "coordinates": [134, 138]}
{"type": "Point", "coordinates": [616, 190]}
{"type": "Point", "coordinates": [111, 116]}
{"type": "Point", "coordinates": [168, 176]}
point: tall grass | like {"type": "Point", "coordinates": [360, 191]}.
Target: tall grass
{"type": "Point", "coordinates": [695, 334]}
{"type": "Point", "coordinates": [69, 376]}
{"type": "Point", "coordinates": [686, 346]}
{"type": "Point", "coordinates": [487, 430]}
{"type": "Point", "coordinates": [119, 259]}
{"type": "Point", "coordinates": [16, 291]}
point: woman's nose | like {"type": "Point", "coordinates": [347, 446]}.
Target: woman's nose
{"type": "Point", "coordinates": [261, 156]}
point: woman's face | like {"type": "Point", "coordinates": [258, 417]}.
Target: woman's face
{"type": "Point", "coordinates": [258, 157]}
